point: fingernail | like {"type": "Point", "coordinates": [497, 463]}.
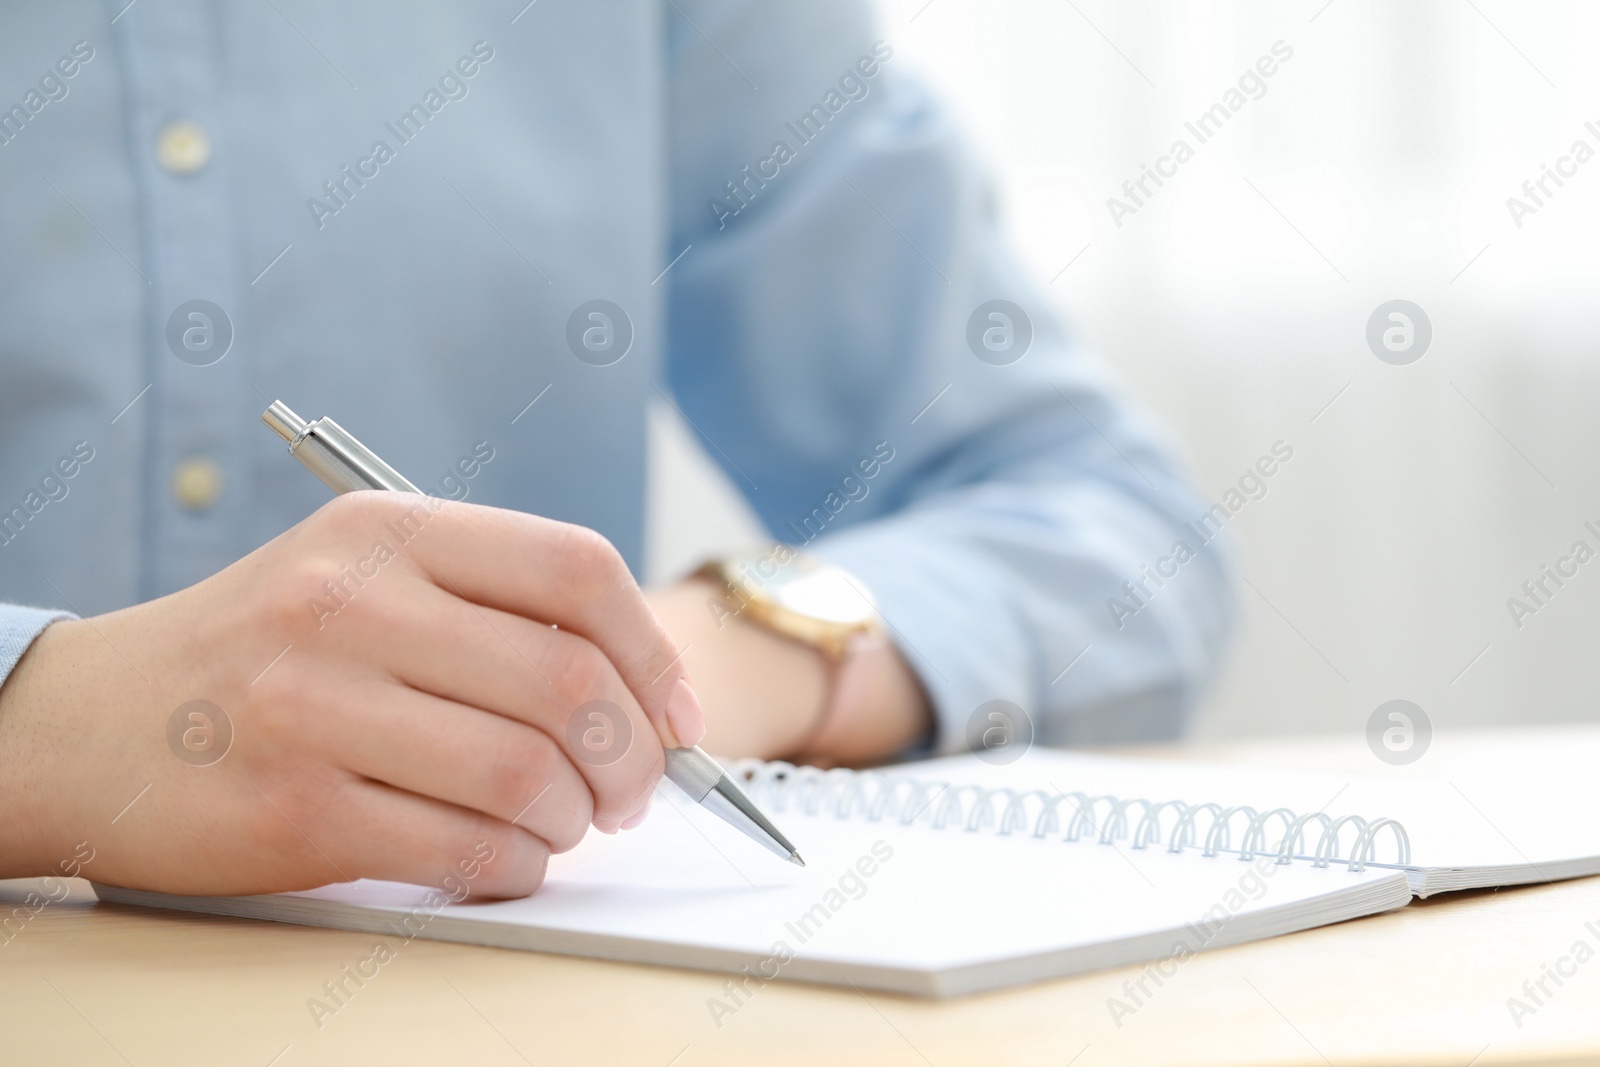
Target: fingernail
{"type": "Point", "coordinates": [639, 816]}
{"type": "Point", "coordinates": [685, 715]}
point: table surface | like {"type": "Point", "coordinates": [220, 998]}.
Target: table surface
{"type": "Point", "coordinates": [90, 983]}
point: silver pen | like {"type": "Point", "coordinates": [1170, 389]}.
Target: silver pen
{"type": "Point", "coordinates": [345, 464]}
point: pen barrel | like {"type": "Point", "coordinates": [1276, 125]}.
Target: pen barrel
{"type": "Point", "coordinates": [333, 454]}
{"type": "Point", "coordinates": [345, 464]}
{"type": "Point", "coordinates": [693, 770]}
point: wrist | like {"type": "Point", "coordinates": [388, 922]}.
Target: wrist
{"type": "Point", "coordinates": [876, 707]}
{"type": "Point", "coordinates": [774, 696]}
{"type": "Point", "coordinates": [29, 805]}
{"type": "Point", "coordinates": [763, 694]}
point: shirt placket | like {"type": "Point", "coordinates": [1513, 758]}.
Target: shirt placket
{"type": "Point", "coordinates": [200, 398]}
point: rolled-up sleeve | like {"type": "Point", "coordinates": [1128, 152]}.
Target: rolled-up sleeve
{"type": "Point", "coordinates": [19, 627]}
{"type": "Point", "coordinates": [1030, 537]}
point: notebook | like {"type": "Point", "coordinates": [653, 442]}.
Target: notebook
{"type": "Point", "coordinates": [953, 876]}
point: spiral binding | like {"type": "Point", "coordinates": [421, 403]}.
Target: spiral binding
{"type": "Point", "coordinates": [879, 795]}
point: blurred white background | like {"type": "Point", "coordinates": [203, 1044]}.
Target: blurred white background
{"type": "Point", "coordinates": [1376, 166]}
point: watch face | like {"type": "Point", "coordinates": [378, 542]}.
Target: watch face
{"type": "Point", "coordinates": [807, 587]}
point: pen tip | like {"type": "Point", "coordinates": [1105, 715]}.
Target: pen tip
{"type": "Point", "coordinates": [794, 858]}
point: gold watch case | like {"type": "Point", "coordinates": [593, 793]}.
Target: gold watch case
{"type": "Point", "coordinates": [797, 596]}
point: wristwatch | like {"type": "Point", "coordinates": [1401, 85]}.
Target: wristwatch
{"type": "Point", "coordinates": [797, 596]}
{"type": "Point", "coordinates": [817, 604]}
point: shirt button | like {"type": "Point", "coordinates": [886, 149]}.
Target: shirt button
{"type": "Point", "coordinates": [197, 483]}
{"type": "Point", "coordinates": [182, 148]}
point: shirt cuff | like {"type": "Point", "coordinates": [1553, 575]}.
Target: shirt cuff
{"type": "Point", "coordinates": [19, 627]}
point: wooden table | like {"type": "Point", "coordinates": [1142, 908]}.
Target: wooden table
{"type": "Point", "coordinates": [90, 983]}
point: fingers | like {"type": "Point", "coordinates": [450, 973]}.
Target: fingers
{"type": "Point", "coordinates": [377, 831]}
{"type": "Point", "coordinates": [548, 571]}
{"type": "Point", "coordinates": [474, 759]}
{"type": "Point", "coordinates": [549, 679]}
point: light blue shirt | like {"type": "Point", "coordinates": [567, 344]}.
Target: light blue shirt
{"type": "Point", "coordinates": [405, 221]}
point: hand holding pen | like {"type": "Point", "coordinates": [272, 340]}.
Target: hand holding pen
{"type": "Point", "coordinates": [346, 465]}
{"type": "Point", "coordinates": [377, 692]}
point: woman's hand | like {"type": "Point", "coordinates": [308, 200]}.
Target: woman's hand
{"type": "Point", "coordinates": [386, 695]}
